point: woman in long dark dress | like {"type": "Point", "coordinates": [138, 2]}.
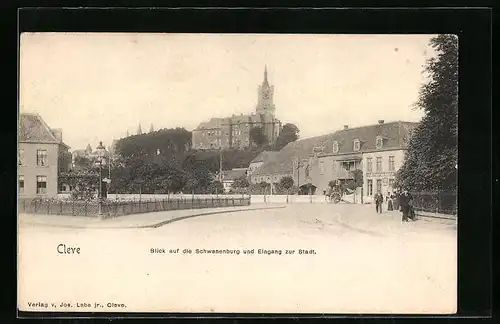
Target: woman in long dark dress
{"type": "Point", "coordinates": [389, 202]}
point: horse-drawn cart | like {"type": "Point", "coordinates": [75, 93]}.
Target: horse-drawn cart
{"type": "Point", "coordinates": [334, 195]}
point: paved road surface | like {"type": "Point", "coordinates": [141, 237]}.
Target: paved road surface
{"type": "Point", "coordinates": [361, 263]}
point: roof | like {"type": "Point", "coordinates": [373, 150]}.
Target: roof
{"type": "Point", "coordinates": [265, 156]}
{"type": "Point", "coordinates": [79, 152]}
{"type": "Point", "coordinates": [33, 129]}
{"type": "Point", "coordinates": [395, 135]}
{"type": "Point", "coordinates": [283, 161]}
{"type": "Point", "coordinates": [233, 174]}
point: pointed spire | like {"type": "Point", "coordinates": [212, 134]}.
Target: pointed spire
{"type": "Point", "coordinates": [139, 129]}
{"type": "Point", "coordinates": [151, 129]}
{"type": "Point", "coordinates": [128, 133]}
{"type": "Point", "coordinates": [265, 75]}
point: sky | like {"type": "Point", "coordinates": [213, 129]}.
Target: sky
{"type": "Point", "coordinates": [96, 86]}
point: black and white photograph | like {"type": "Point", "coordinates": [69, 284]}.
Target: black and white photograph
{"type": "Point", "coordinates": [238, 173]}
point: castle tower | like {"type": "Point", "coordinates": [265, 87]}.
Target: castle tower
{"type": "Point", "coordinates": [265, 103]}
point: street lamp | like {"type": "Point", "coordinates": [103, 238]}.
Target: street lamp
{"type": "Point", "coordinates": [101, 152]}
{"type": "Point", "coordinates": [299, 165]}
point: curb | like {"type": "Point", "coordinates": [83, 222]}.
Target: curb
{"type": "Point", "coordinates": [200, 214]}
{"type": "Point", "coordinates": [436, 216]}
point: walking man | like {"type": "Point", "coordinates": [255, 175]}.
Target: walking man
{"type": "Point", "coordinates": [379, 200]}
{"type": "Point", "coordinates": [405, 201]}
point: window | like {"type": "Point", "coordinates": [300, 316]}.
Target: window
{"type": "Point", "coordinates": [356, 145]}
{"type": "Point", "coordinates": [21, 157]}
{"type": "Point", "coordinates": [334, 166]}
{"type": "Point", "coordinates": [379, 185]}
{"type": "Point", "coordinates": [321, 167]}
{"type": "Point", "coordinates": [348, 165]}
{"type": "Point", "coordinates": [369, 165]}
{"type": "Point", "coordinates": [21, 184]}
{"type": "Point", "coordinates": [41, 184]}
{"type": "Point", "coordinates": [41, 157]}
{"type": "Point", "coordinates": [391, 163]}
{"type": "Point", "coordinates": [370, 187]}
{"type": "Point", "coordinates": [379, 164]}
{"type": "Point", "coordinates": [379, 142]}
{"type": "Point", "coordinates": [391, 183]}
{"type": "Point", "coordinates": [335, 147]}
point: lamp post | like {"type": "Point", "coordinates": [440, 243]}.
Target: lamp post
{"type": "Point", "coordinates": [299, 165]}
{"type": "Point", "coordinates": [101, 151]}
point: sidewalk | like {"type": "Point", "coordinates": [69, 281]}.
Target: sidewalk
{"type": "Point", "coordinates": [145, 220]}
{"type": "Point", "coordinates": [435, 215]}
{"type": "Point", "coordinates": [388, 223]}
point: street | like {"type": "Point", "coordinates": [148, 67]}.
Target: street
{"type": "Point", "coordinates": [345, 259]}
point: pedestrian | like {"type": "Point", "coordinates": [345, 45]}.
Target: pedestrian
{"type": "Point", "coordinates": [411, 212]}
{"type": "Point", "coordinates": [395, 200]}
{"type": "Point", "coordinates": [389, 202]}
{"type": "Point", "coordinates": [379, 199]}
{"type": "Point", "coordinates": [405, 201]}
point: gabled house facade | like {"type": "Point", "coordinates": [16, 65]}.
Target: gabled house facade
{"type": "Point", "coordinates": [42, 156]}
{"type": "Point", "coordinates": [377, 150]}
{"type": "Point", "coordinates": [229, 177]}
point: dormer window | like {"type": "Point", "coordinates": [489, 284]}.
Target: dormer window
{"type": "Point", "coordinates": [356, 145]}
{"type": "Point", "coordinates": [318, 149]}
{"type": "Point", "coordinates": [335, 147]}
{"type": "Point", "coordinates": [379, 142]}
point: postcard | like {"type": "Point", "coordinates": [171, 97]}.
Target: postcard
{"type": "Point", "coordinates": [237, 173]}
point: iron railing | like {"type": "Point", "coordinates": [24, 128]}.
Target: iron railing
{"type": "Point", "coordinates": [111, 208]}
{"type": "Point", "coordinates": [442, 202]}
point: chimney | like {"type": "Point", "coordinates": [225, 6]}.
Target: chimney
{"type": "Point", "coordinates": [57, 133]}
{"type": "Point", "coordinates": [381, 121]}
{"type": "Point", "coordinates": [346, 126]}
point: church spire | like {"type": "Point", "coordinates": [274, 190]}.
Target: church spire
{"type": "Point", "coordinates": [265, 76]}
{"type": "Point", "coordinates": [139, 130]}
{"type": "Point", "coordinates": [151, 129]}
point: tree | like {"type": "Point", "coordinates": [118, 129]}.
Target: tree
{"type": "Point", "coordinates": [356, 182]}
{"type": "Point", "coordinates": [289, 133]}
{"type": "Point", "coordinates": [257, 136]}
{"type": "Point", "coordinates": [84, 184]}
{"type": "Point", "coordinates": [432, 155]}
{"type": "Point", "coordinates": [241, 183]}
{"type": "Point", "coordinates": [286, 183]}
{"type": "Point", "coordinates": [82, 163]}
{"type": "Point", "coordinates": [216, 187]}
{"type": "Point", "coordinates": [64, 161]}
{"type": "Point", "coordinates": [191, 185]}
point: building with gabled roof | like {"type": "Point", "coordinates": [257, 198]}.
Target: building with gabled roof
{"type": "Point", "coordinates": [259, 160]}
{"type": "Point", "coordinates": [230, 176]}
{"type": "Point", "coordinates": [42, 155]}
{"type": "Point", "coordinates": [378, 150]}
{"type": "Point", "coordinates": [234, 131]}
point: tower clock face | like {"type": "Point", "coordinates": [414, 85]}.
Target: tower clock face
{"type": "Point", "coordinates": [266, 95]}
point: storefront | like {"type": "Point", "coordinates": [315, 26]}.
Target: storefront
{"type": "Point", "coordinates": [382, 182]}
